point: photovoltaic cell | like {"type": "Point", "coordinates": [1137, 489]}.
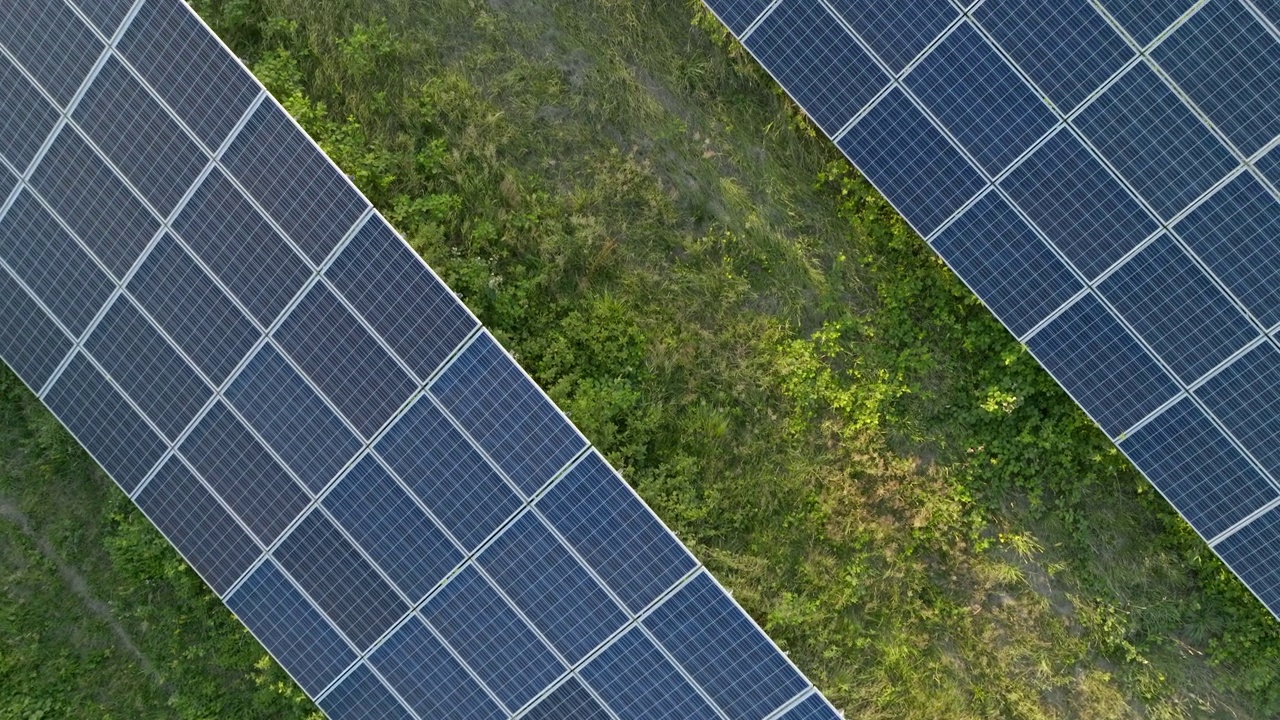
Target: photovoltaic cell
{"type": "Point", "coordinates": [1006, 263]}
{"type": "Point", "coordinates": [362, 695]}
{"type": "Point", "coordinates": [911, 162]}
{"type": "Point", "coordinates": [30, 341]}
{"type": "Point", "coordinates": [344, 360]}
{"type": "Point", "coordinates": [553, 591]}
{"type": "Point", "coordinates": [620, 538]}
{"type": "Point", "coordinates": [104, 423]}
{"type": "Point", "coordinates": [447, 474]}
{"type": "Point", "coordinates": [1198, 468]}
{"type": "Point", "coordinates": [1106, 371]}
{"type": "Point", "coordinates": [106, 15]}
{"type": "Point", "coordinates": [202, 530]}
{"type": "Point", "coordinates": [193, 311]}
{"type": "Point", "coordinates": [1229, 65]}
{"type": "Point", "coordinates": [291, 628]}
{"type": "Point", "coordinates": [715, 642]}
{"type": "Point", "coordinates": [283, 170]}
{"type": "Point", "coordinates": [1177, 309]}
{"type": "Point", "coordinates": [135, 132]}
{"type": "Point", "coordinates": [1269, 8]}
{"type": "Point", "coordinates": [823, 66]}
{"type": "Point", "coordinates": [1066, 47]}
{"type": "Point", "coordinates": [147, 368]}
{"type": "Point", "coordinates": [395, 293]}
{"type": "Point", "coordinates": [738, 14]}
{"type": "Point", "coordinates": [897, 31]}
{"type": "Point", "coordinates": [1253, 553]}
{"type": "Point", "coordinates": [639, 683]}
{"type": "Point", "coordinates": [93, 202]}
{"type": "Point", "coordinates": [507, 414]}
{"type": "Point", "coordinates": [51, 42]}
{"type": "Point", "coordinates": [1245, 397]}
{"type": "Point", "coordinates": [1155, 141]}
{"type": "Point", "coordinates": [243, 473]}
{"type": "Point", "coordinates": [812, 708]}
{"type": "Point", "coordinates": [343, 584]}
{"type": "Point", "coordinates": [293, 420]}
{"type": "Point", "coordinates": [570, 701]}
{"type": "Point", "coordinates": [208, 89]}
{"type": "Point", "coordinates": [258, 266]}
{"type": "Point", "coordinates": [1145, 20]}
{"type": "Point", "coordinates": [1078, 204]}
{"type": "Point", "coordinates": [1269, 165]}
{"type": "Point", "coordinates": [431, 679]}
{"type": "Point", "coordinates": [392, 529]}
{"type": "Point", "coordinates": [52, 264]}
{"type": "Point", "coordinates": [1234, 233]}
{"type": "Point", "coordinates": [25, 117]}
{"type": "Point", "coordinates": [979, 98]}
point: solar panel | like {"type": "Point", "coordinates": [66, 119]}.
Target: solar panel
{"type": "Point", "coordinates": [316, 422]}
{"type": "Point", "coordinates": [1104, 174]}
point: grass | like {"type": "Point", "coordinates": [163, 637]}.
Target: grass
{"type": "Point", "coordinates": [885, 479]}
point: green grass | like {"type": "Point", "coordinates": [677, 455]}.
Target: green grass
{"type": "Point", "coordinates": [885, 479]}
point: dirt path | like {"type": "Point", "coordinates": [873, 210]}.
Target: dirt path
{"type": "Point", "coordinates": [80, 587]}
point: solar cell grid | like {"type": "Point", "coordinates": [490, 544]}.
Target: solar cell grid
{"type": "Point", "coordinates": [979, 98]}
{"type": "Point", "coordinates": [1270, 9]}
{"type": "Point", "coordinates": [362, 695]}
{"type": "Point", "coordinates": [1253, 553]}
{"type": "Point", "coordinates": [137, 134]}
{"type": "Point", "coordinates": [25, 117]}
{"type": "Point", "coordinates": [570, 701]}
{"type": "Point", "coordinates": [807, 50]}
{"type": "Point", "coordinates": [1177, 309]}
{"type": "Point", "coordinates": [1269, 165]}
{"type": "Point", "coordinates": [430, 678]}
{"type": "Point", "coordinates": [1145, 20]}
{"type": "Point", "coordinates": [106, 15]}
{"type": "Point", "coordinates": [1006, 263]}
{"type": "Point", "coordinates": [811, 708]}
{"type": "Point", "coordinates": [897, 32]}
{"type": "Point", "coordinates": [639, 683]}
{"type": "Point", "coordinates": [1245, 397]}
{"type": "Point", "coordinates": [52, 43]}
{"type": "Point", "coordinates": [738, 14]}
{"type": "Point", "coordinates": [82, 188]}
{"type": "Point", "coordinates": [30, 341]}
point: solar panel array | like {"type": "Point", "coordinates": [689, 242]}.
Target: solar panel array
{"type": "Point", "coordinates": [1104, 174]}
{"type": "Point", "coordinates": [313, 419]}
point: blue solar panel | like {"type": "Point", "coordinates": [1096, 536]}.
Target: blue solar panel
{"type": "Point", "coordinates": [1229, 65]}
{"type": "Point", "coordinates": [1234, 233]}
{"type": "Point", "coordinates": [507, 414]}
{"type": "Point", "coordinates": [829, 75]}
{"type": "Point", "coordinates": [620, 538]}
{"type": "Point", "coordinates": [1245, 396]}
{"type": "Point", "coordinates": [105, 14]}
{"type": "Point", "coordinates": [80, 186]}
{"type": "Point", "coordinates": [897, 32]}
{"type": "Point", "coordinates": [979, 98]}
{"type": "Point", "coordinates": [1269, 165]}
{"type": "Point", "coordinates": [1253, 553]}
{"type": "Point", "coordinates": [292, 419]}
{"type": "Point", "coordinates": [25, 117]}
{"type": "Point", "coordinates": [291, 628]}
{"type": "Point", "coordinates": [362, 695]}
{"type": "Point", "coordinates": [343, 584]}
{"type": "Point", "coordinates": [1145, 20]}
{"type": "Point", "coordinates": [147, 368]}
{"type": "Point", "coordinates": [51, 42]}
{"type": "Point", "coordinates": [639, 683]}
{"type": "Point", "coordinates": [1198, 469]}
{"type": "Point", "coordinates": [1066, 47]}
{"type": "Point", "coordinates": [344, 360]}
{"type": "Point", "coordinates": [241, 470]}
{"type": "Point", "coordinates": [447, 474]}
{"type": "Point", "coordinates": [570, 701]}
{"type": "Point", "coordinates": [492, 639]}
{"type": "Point", "coordinates": [1177, 309]}
{"type": "Point", "coordinates": [548, 585]}
{"type": "Point", "coordinates": [61, 274]}
{"type": "Point", "coordinates": [30, 341]}
{"type": "Point", "coordinates": [395, 293]}
{"type": "Point", "coordinates": [1102, 366]}
{"type": "Point", "coordinates": [1078, 204]}
{"type": "Point", "coordinates": [719, 646]}
{"type": "Point", "coordinates": [202, 530]}
{"type": "Point", "coordinates": [104, 423]}
{"type": "Point", "coordinates": [1154, 141]}
{"type": "Point", "coordinates": [423, 671]}
{"type": "Point", "coordinates": [812, 708]}
{"type": "Point", "coordinates": [384, 520]}
{"type": "Point", "coordinates": [1006, 264]}
{"type": "Point", "coordinates": [1270, 8]}
{"type": "Point", "coordinates": [738, 14]}
{"type": "Point", "coordinates": [911, 162]}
